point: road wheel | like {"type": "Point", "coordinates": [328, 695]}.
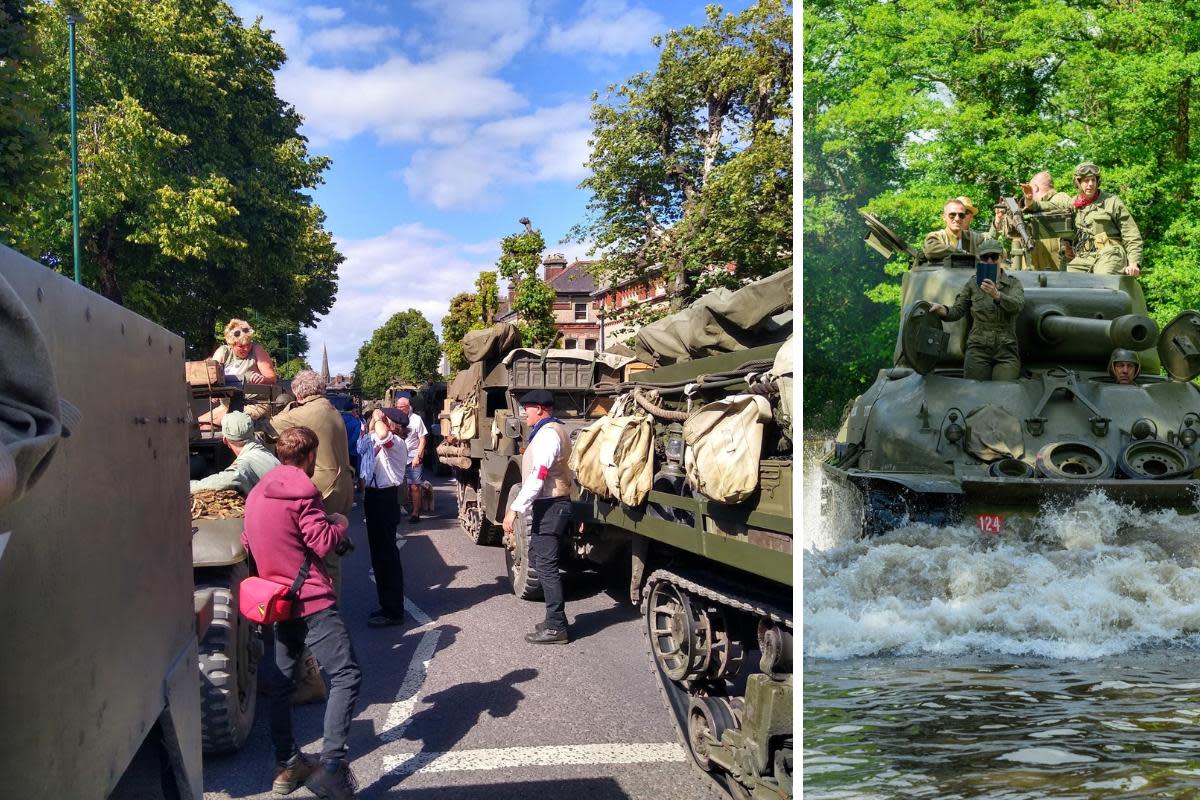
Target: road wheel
{"type": "Point", "coordinates": [521, 574]}
{"type": "Point", "coordinates": [471, 518]}
{"type": "Point", "coordinates": [228, 665]}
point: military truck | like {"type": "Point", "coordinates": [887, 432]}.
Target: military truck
{"type": "Point", "coordinates": [231, 649]}
{"type": "Point", "coordinates": [487, 464]}
{"type": "Point", "coordinates": [925, 444]}
{"type": "Point", "coordinates": [692, 471]}
{"type": "Point", "coordinates": [101, 694]}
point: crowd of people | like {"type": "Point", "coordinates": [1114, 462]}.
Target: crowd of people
{"type": "Point", "coordinates": [298, 502]}
{"type": "Point", "coordinates": [1106, 242]}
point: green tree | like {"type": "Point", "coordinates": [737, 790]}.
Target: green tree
{"type": "Point", "coordinates": [530, 296]}
{"type": "Point", "coordinates": [24, 143]}
{"type": "Point", "coordinates": [487, 296]}
{"type": "Point", "coordinates": [404, 348]}
{"type": "Point", "coordinates": [691, 166]}
{"type": "Point", "coordinates": [461, 319]}
{"type": "Point", "coordinates": [194, 178]}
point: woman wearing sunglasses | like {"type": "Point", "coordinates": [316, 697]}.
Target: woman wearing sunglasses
{"type": "Point", "coordinates": [992, 353]}
{"type": "Point", "coordinates": [248, 361]}
{"type": "Point", "coordinates": [956, 237]}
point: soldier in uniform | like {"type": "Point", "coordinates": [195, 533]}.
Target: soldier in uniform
{"type": "Point", "coordinates": [546, 491]}
{"type": "Point", "coordinates": [1047, 253]}
{"type": "Point", "coordinates": [1107, 239]}
{"type": "Point", "coordinates": [1124, 366]}
{"type": "Point", "coordinates": [956, 237]}
{"type": "Point", "coordinates": [992, 344]}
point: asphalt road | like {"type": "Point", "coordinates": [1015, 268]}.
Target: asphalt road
{"type": "Point", "coordinates": [458, 705]}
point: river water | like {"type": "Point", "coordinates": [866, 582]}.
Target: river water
{"type": "Point", "coordinates": [945, 663]}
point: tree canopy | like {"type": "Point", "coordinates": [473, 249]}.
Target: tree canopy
{"type": "Point", "coordinates": [691, 165]}
{"type": "Point", "coordinates": [529, 296]}
{"type": "Point", "coordinates": [404, 348]}
{"type": "Point", "coordinates": [909, 104]}
{"type": "Point", "coordinates": [194, 178]}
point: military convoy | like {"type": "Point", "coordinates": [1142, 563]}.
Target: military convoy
{"type": "Point", "coordinates": [923, 444]}
{"type": "Point", "coordinates": [101, 693]}
{"type": "Point", "coordinates": [685, 469]}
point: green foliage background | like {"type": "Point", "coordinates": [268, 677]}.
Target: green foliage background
{"type": "Point", "coordinates": [404, 348]}
{"type": "Point", "coordinates": [529, 296]}
{"type": "Point", "coordinates": [909, 103]}
{"type": "Point", "coordinates": [194, 178]}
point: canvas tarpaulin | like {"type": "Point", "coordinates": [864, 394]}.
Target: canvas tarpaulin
{"type": "Point", "coordinates": [490, 342]}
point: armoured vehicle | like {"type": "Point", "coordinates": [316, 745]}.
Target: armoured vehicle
{"type": "Point", "coordinates": [232, 647]}
{"type": "Point", "coordinates": [925, 444]}
{"type": "Point", "coordinates": [711, 561]}
{"type": "Point", "coordinates": [101, 694]}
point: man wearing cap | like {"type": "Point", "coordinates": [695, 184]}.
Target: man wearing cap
{"type": "Point", "coordinates": [251, 461]}
{"type": "Point", "coordinates": [546, 492]}
{"type": "Point", "coordinates": [385, 458]}
{"type": "Point", "coordinates": [992, 343]}
{"type": "Point", "coordinates": [1107, 239]}
{"type": "Point", "coordinates": [956, 236]}
{"type": "Point", "coordinates": [1124, 366]}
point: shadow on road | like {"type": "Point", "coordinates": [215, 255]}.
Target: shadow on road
{"type": "Point", "coordinates": [578, 788]}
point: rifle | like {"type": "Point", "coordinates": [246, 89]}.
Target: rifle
{"type": "Point", "coordinates": [1017, 221]}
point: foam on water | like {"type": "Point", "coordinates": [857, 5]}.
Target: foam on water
{"type": "Point", "coordinates": [1094, 579]}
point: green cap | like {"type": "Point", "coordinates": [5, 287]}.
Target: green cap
{"type": "Point", "coordinates": [990, 246]}
{"type": "Point", "coordinates": [237, 426]}
{"type": "Point", "coordinates": [1087, 168]}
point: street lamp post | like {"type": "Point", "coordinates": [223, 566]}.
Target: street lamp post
{"type": "Point", "coordinates": [74, 151]}
{"type": "Point", "coordinates": [287, 337]}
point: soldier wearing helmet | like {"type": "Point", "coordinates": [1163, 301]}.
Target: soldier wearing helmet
{"type": "Point", "coordinates": [1124, 366]}
{"type": "Point", "coordinates": [992, 352]}
{"type": "Point", "coordinates": [1107, 239]}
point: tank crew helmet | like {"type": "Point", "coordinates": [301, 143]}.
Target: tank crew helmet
{"type": "Point", "coordinates": [1123, 356]}
{"type": "Point", "coordinates": [1087, 169]}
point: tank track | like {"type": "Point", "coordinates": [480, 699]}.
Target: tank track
{"type": "Point", "coordinates": [725, 596]}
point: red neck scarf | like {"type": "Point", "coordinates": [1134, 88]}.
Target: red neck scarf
{"type": "Point", "coordinates": [1080, 202]}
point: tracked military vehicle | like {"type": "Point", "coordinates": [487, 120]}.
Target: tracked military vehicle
{"type": "Point", "coordinates": [692, 471]}
{"type": "Point", "coordinates": [924, 444]}
{"type": "Point", "coordinates": [101, 695]}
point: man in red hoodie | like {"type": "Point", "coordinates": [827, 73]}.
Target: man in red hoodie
{"type": "Point", "coordinates": [286, 529]}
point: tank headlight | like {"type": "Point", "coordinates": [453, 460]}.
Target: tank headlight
{"type": "Point", "coordinates": [954, 433]}
{"type": "Point", "coordinates": [1187, 437]}
{"type": "Point", "coordinates": [674, 449]}
{"type": "Point", "coordinates": [1143, 429]}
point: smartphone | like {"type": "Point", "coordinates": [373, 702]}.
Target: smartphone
{"type": "Point", "coordinates": [986, 272]}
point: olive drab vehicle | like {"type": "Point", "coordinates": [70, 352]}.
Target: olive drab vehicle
{"type": "Point", "coordinates": [924, 444]}
{"type": "Point", "coordinates": [692, 469]}
{"type": "Point", "coordinates": [101, 697]}
{"type": "Point", "coordinates": [485, 434]}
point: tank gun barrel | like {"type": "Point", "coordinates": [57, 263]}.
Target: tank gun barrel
{"type": "Point", "coordinates": [1132, 331]}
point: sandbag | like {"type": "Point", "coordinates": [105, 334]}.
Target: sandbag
{"type": "Point", "coordinates": [724, 447]}
{"type": "Point", "coordinates": [585, 459]}
{"type": "Point", "coordinates": [626, 455]}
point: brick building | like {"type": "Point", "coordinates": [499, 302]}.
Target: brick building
{"type": "Point", "coordinates": [574, 307]}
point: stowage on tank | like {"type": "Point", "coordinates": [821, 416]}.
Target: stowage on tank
{"type": "Point", "coordinates": [691, 469]}
{"type": "Point", "coordinates": [925, 444]}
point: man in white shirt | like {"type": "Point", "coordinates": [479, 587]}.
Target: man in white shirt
{"type": "Point", "coordinates": [383, 476]}
{"type": "Point", "coordinates": [416, 454]}
{"type": "Point", "coordinates": [546, 494]}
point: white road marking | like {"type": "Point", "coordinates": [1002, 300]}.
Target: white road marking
{"type": "Point", "coordinates": [409, 693]}
{"type": "Point", "coordinates": [549, 756]}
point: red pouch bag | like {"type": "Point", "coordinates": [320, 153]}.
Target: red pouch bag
{"type": "Point", "coordinates": [265, 602]}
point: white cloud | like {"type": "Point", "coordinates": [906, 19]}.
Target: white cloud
{"type": "Point", "coordinates": [350, 38]}
{"type": "Point", "coordinates": [606, 27]}
{"type": "Point", "coordinates": [410, 266]}
{"type": "Point", "coordinates": [546, 145]}
{"type": "Point", "coordinates": [322, 13]}
{"type": "Point", "coordinates": [500, 27]}
{"type": "Point", "coordinates": [397, 100]}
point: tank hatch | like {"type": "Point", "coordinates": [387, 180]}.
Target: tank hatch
{"type": "Point", "coordinates": [1179, 346]}
{"type": "Point", "coordinates": [882, 240]}
{"type": "Point", "coordinates": [922, 341]}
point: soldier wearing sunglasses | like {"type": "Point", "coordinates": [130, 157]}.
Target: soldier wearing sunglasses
{"type": "Point", "coordinates": [992, 353]}
{"type": "Point", "coordinates": [956, 237]}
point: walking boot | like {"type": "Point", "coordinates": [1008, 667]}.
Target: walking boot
{"type": "Point", "coordinates": [548, 636]}
{"type": "Point", "coordinates": [310, 686]}
{"type": "Point", "coordinates": [292, 773]}
{"type": "Point", "coordinates": [333, 780]}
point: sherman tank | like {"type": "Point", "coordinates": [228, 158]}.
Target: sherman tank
{"type": "Point", "coordinates": [691, 468]}
{"type": "Point", "coordinates": [925, 444]}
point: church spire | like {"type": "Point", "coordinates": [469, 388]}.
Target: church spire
{"type": "Point", "coordinates": [325, 364]}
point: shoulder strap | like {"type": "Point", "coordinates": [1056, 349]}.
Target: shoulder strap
{"type": "Point", "coordinates": [294, 592]}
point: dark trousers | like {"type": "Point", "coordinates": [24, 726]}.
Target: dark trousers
{"type": "Point", "coordinates": [325, 635]}
{"type": "Point", "coordinates": [549, 518]}
{"type": "Point", "coordinates": [382, 511]}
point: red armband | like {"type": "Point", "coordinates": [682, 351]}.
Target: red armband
{"type": "Point", "coordinates": [543, 472]}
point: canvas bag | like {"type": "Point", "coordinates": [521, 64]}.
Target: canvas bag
{"type": "Point", "coordinates": [585, 459]}
{"type": "Point", "coordinates": [462, 419]}
{"type": "Point", "coordinates": [724, 446]}
{"type": "Point", "coordinates": [265, 602]}
{"type": "Point", "coordinates": [627, 457]}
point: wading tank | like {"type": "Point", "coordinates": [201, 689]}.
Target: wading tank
{"type": "Point", "coordinates": [925, 444]}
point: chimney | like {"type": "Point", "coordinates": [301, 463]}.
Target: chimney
{"type": "Point", "coordinates": [556, 264]}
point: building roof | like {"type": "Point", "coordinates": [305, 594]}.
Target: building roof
{"type": "Point", "coordinates": [575, 279]}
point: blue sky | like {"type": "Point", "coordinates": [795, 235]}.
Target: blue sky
{"type": "Point", "coordinates": [447, 121]}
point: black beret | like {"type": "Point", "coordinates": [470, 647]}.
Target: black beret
{"type": "Point", "coordinates": [538, 397]}
{"type": "Point", "coordinates": [396, 415]}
